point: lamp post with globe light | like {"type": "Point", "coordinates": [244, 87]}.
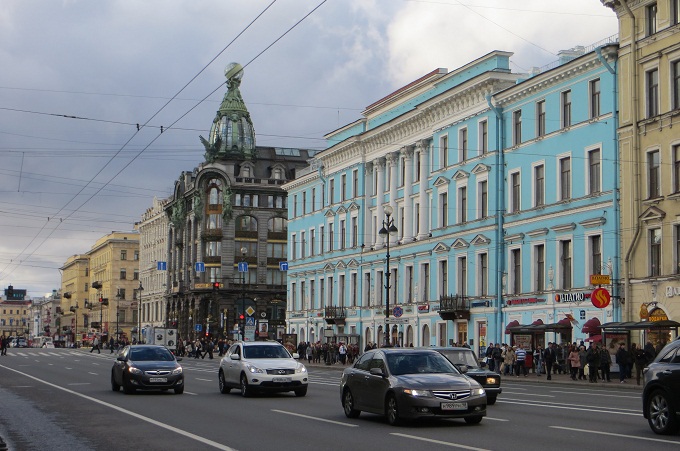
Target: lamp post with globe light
{"type": "Point", "coordinates": [387, 231]}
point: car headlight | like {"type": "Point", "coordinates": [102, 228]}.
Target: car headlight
{"type": "Point", "coordinates": [418, 393]}
{"type": "Point", "coordinates": [134, 370]}
{"type": "Point", "coordinates": [491, 380]}
{"type": "Point", "coordinates": [300, 368]}
{"type": "Point", "coordinates": [478, 391]}
{"type": "Point", "coordinates": [177, 371]}
{"type": "Point", "coordinates": [254, 369]}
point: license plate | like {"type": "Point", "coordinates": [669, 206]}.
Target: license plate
{"type": "Point", "coordinates": [282, 379]}
{"type": "Point", "coordinates": [454, 406]}
{"type": "Point", "coordinates": [158, 379]}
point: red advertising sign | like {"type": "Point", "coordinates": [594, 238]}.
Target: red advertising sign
{"type": "Point", "coordinates": [600, 298]}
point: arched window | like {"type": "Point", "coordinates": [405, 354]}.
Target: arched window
{"type": "Point", "coordinates": [214, 190]}
{"type": "Point", "coordinates": [246, 224]}
{"type": "Point", "coordinates": [278, 225]}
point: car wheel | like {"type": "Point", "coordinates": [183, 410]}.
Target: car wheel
{"type": "Point", "coordinates": [246, 391]}
{"type": "Point", "coordinates": [300, 392]}
{"type": "Point", "coordinates": [491, 400]}
{"type": "Point", "coordinates": [348, 404]}
{"type": "Point", "coordinates": [179, 390]}
{"type": "Point", "coordinates": [223, 385]}
{"type": "Point", "coordinates": [392, 410]}
{"type": "Point", "coordinates": [128, 389]}
{"type": "Point", "coordinates": [114, 385]}
{"type": "Point", "coordinates": [474, 420]}
{"type": "Point", "coordinates": [662, 418]}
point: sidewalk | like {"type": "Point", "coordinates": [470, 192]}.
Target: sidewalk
{"type": "Point", "coordinates": [559, 379]}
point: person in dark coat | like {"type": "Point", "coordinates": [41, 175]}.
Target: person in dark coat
{"type": "Point", "coordinates": [549, 357]}
{"type": "Point", "coordinates": [622, 357]}
{"type": "Point", "coordinates": [640, 360]}
{"type": "Point", "coordinates": [593, 359]}
{"type": "Point", "coordinates": [650, 352]}
{"type": "Point", "coordinates": [605, 364]}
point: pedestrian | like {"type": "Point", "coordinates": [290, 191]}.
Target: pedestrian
{"type": "Point", "coordinates": [310, 353]}
{"type": "Point", "coordinates": [605, 364]}
{"type": "Point", "coordinates": [650, 352]}
{"type": "Point", "coordinates": [95, 345]}
{"type": "Point", "coordinates": [593, 359]}
{"type": "Point", "coordinates": [111, 344]}
{"type": "Point", "coordinates": [509, 360]}
{"type": "Point", "coordinates": [4, 342]}
{"type": "Point", "coordinates": [574, 362]}
{"type": "Point", "coordinates": [489, 357]}
{"type": "Point", "coordinates": [538, 360]}
{"type": "Point", "coordinates": [622, 356]}
{"type": "Point", "coordinates": [583, 361]}
{"type": "Point", "coordinates": [549, 357]}
{"type": "Point", "coordinates": [520, 361]}
{"type": "Point", "coordinates": [342, 352]}
{"type": "Point", "coordinates": [640, 360]}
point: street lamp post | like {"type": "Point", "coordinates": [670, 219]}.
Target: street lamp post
{"type": "Point", "coordinates": [139, 314]}
{"type": "Point", "coordinates": [388, 230]}
{"type": "Point", "coordinates": [244, 251]}
{"type": "Point", "coordinates": [74, 309]}
{"type": "Point", "coordinates": [117, 315]}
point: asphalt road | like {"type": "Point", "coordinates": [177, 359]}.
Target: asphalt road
{"type": "Point", "coordinates": [53, 399]}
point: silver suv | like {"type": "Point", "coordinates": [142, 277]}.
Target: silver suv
{"type": "Point", "coordinates": [262, 366]}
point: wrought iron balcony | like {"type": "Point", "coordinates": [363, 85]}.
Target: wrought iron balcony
{"type": "Point", "coordinates": [334, 315]}
{"type": "Point", "coordinates": [454, 307]}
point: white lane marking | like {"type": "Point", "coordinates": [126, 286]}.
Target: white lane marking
{"type": "Point", "coordinates": [204, 380]}
{"type": "Point", "coordinates": [68, 368]}
{"type": "Point", "coordinates": [190, 393]}
{"type": "Point", "coordinates": [528, 394]}
{"type": "Point", "coordinates": [577, 405]}
{"type": "Point", "coordinates": [566, 407]}
{"type": "Point", "coordinates": [609, 394]}
{"type": "Point", "coordinates": [438, 442]}
{"type": "Point", "coordinates": [495, 419]}
{"type": "Point", "coordinates": [79, 383]}
{"type": "Point", "coordinates": [50, 364]}
{"type": "Point", "coordinates": [94, 374]}
{"type": "Point", "coordinates": [127, 412]}
{"type": "Point", "coordinates": [95, 363]}
{"type": "Point", "coordinates": [339, 423]}
{"type": "Point", "coordinates": [23, 386]}
{"type": "Point", "coordinates": [649, 439]}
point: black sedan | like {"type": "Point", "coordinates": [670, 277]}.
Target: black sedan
{"type": "Point", "coordinates": [403, 383]}
{"type": "Point", "coordinates": [466, 361]}
{"type": "Point", "coordinates": [661, 393]}
{"type": "Point", "coordinates": [147, 367]}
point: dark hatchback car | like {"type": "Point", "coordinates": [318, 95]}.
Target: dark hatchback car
{"type": "Point", "coordinates": [147, 367]}
{"type": "Point", "coordinates": [466, 361]}
{"type": "Point", "coordinates": [403, 383]}
{"type": "Point", "coordinates": [661, 393]}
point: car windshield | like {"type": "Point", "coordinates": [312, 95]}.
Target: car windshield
{"type": "Point", "coordinates": [151, 354]}
{"type": "Point", "coordinates": [266, 352]}
{"type": "Point", "coordinates": [414, 363]}
{"type": "Point", "coordinates": [460, 357]}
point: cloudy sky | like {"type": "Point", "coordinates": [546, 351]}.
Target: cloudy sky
{"type": "Point", "coordinates": [77, 76]}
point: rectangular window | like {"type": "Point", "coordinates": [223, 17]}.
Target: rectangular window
{"type": "Point", "coordinates": [565, 263]}
{"type": "Point", "coordinates": [416, 176]}
{"type": "Point", "coordinates": [594, 98]}
{"type": "Point", "coordinates": [295, 205]}
{"type": "Point", "coordinates": [331, 236]}
{"type": "Point", "coordinates": [462, 203]}
{"type": "Point", "coordinates": [652, 81]}
{"type": "Point", "coordinates": [517, 127]}
{"type": "Point", "coordinates": [355, 231]}
{"type": "Point", "coordinates": [484, 137]}
{"type": "Point", "coordinates": [343, 235]}
{"type": "Point", "coordinates": [312, 242]}
{"type": "Point", "coordinates": [516, 265]}
{"type": "Point", "coordinates": [409, 284]}
{"type": "Point", "coordinates": [540, 118]}
{"type": "Point", "coordinates": [366, 290]}
{"type": "Point", "coordinates": [676, 168]}
{"type": "Point", "coordinates": [322, 234]}
{"type": "Point", "coordinates": [565, 178]}
{"type": "Point", "coordinates": [443, 278]}
{"type": "Point", "coordinates": [566, 109]}
{"type": "Point", "coordinates": [314, 206]}
{"type": "Point", "coordinates": [539, 186]}
{"type": "Point", "coordinates": [483, 193]}
{"type": "Point", "coordinates": [355, 183]}
{"type": "Point", "coordinates": [303, 244]}
{"type": "Point", "coordinates": [443, 210]}
{"type": "Point", "coordinates": [462, 276]}
{"type": "Point", "coordinates": [426, 282]}
{"type": "Point", "coordinates": [329, 301]}
{"type": "Point", "coordinates": [651, 11]}
{"type": "Point", "coordinates": [594, 180]}
{"type": "Point", "coordinates": [304, 203]}
{"type": "Point", "coordinates": [595, 254]}
{"type": "Point", "coordinates": [331, 191]}
{"type": "Point", "coordinates": [343, 186]}
{"type": "Point", "coordinates": [483, 274]}
{"type": "Point", "coordinates": [676, 236]}
{"type": "Point", "coordinates": [675, 12]}
{"type": "Point", "coordinates": [444, 151]}
{"type": "Point", "coordinates": [463, 144]}
{"type": "Point", "coordinates": [539, 256]}
{"type": "Point", "coordinates": [123, 254]}
{"type": "Point", "coordinates": [675, 69]}
{"type": "Point", "coordinates": [515, 192]}
{"type": "Point", "coordinates": [654, 174]}
{"type": "Point", "coordinates": [293, 249]}
{"type": "Point", "coordinates": [655, 252]}
{"type": "Point", "coordinates": [135, 256]}
{"type": "Point", "coordinates": [123, 274]}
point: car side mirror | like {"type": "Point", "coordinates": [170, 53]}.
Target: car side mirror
{"type": "Point", "coordinates": [235, 357]}
{"type": "Point", "coordinates": [296, 355]}
{"type": "Point", "coordinates": [377, 372]}
{"type": "Point", "coordinates": [120, 358]}
{"type": "Point", "coordinates": [179, 359]}
{"type": "Point", "coordinates": [462, 368]}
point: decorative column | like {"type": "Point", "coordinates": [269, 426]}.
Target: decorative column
{"type": "Point", "coordinates": [423, 225]}
{"type": "Point", "coordinates": [393, 163]}
{"type": "Point", "coordinates": [379, 192]}
{"type": "Point", "coordinates": [407, 233]}
{"type": "Point", "coordinates": [367, 215]}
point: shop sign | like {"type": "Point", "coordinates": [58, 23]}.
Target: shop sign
{"type": "Point", "coordinates": [297, 315]}
{"type": "Point", "coordinates": [479, 304]}
{"type": "Point", "coordinates": [424, 308]}
{"type": "Point", "coordinates": [352, 312]}
{"type": "Point", "coordinates": [600, 298]}
{"type": "Point", "coordinates": [578, 296]}
{"type": "Point", "coordinates": [525, 301]}
{"type": "Point", "coordinates": [672, 291]}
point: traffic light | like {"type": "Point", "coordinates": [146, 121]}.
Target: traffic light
{"type": "Point", "coordinates": [242, 317]}
{"type": "Point", "coordinates": [10, 292]}
{"type": "Point", "coordinates": [216, 286]}
{"type": "Point", "coordinates": [97, 285]}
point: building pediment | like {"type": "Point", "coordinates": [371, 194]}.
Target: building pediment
{"type": "Point", "coordinates": [480, 240]}
{"type": "Point", "coordinates": [441, 247]}
{"type": "Point", "coordinates": [353, 207]}
{"type": "Point", "coordinates": [653, 214]}
{"type": "Point", "coordinates": [353, 263]}
{"type": "Point", "coordinates": [561, 228]}
{"type": "Point", "coordinates": [330, 267]}
{"type": "Point", "coordinates": [341, 210]}
{"type": "Point", "coordinates": [460, 244]}
{"type": "Point", "coordinates": [593, 222]}
{"type": "Point", "coordinates": [441, 181]}
{"type": "Point", "coordinates": [514, 238]}
{"type": "Point", "coordinates": [538, 232]}
{"type": "Point", "coordinates": [460, 175]}
{"type": "Point", "coordinates": [329, 213]}
{"type": "Point", "coordinates": [341, 265]}
{"type": "Point", "coordinates": [480, 169]}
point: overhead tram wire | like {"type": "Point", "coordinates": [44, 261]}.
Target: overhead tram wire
{"type": "Point", "coordinates": [2, 272]}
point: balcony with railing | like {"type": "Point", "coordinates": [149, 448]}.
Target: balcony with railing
{"type": "Point", "coordinates": [335, 315]}
{"type": "Point", "coordinates": [454, 307]}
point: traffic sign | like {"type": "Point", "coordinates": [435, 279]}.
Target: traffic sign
{"type": "Point", "coordinates": [396, 320]}
{"type": "Point", "coordinates": [600, 279]}
{"type": "Point", "coordinates": [161, 266]}
{"type": "Point", "coordinates": [283, 266]}
{"type": "Point", "coordinates": [250, 321]}
{"type": "Point", "coordinates": [242, 266]}
{"type": "Point", "coordinates": [250, 311]}
{"type": "Point", "coordinates": [397, 311]}
{"type": "Point", "coordinates": [199, 327]}
{"type": "Point", "coordinates": [600, 297]}
{"type": "Point", "coordinates": [200, 267]}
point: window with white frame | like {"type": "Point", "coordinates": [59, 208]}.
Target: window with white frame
{"type": "Point", "coordinates": [353, 286]}
{"type": "Point", "coordinates": [322, 293]}
{"type": "Point", "coordinates": [675, 12]}
{"type": "Point", "coordinates": [594, 91]}
{"type": "Point", "coordinates": [540, 118]}
{"type": "Point", "coordinates": [676, 237]}
{"type": "Point", "coordinates": [355, 231]}
{"type": "Point", "coordinates": [462, 204]}
{"type": "Point", "coordinates": [331, 236]}
{"type": "Point", "coordinates": [539, 185]}
{"type": "Point", "coordinates": [355, 183]}
{"type": "Point", "coordinates": [425, 279]}
{"type": "Point", "coordinates": [652, 90]}
{"type": "Point", "coordinates": [676, 168]}
{"type": "Point", "coordinates": [302, 245]}
{"type": "Point", "coordinates": [343, 235]}
{"type": "Point", "coordinates": [594, 171]}
{"type": "Point", "coordinates": [462, 276]}
{"type": "Point", "coordinates": [483, 273]}
{"type": "Point", "coordinates": [515, 192]}
{"type": "Point", "coordinates": [565, 178]}
{"type": "Point", "coordinates": [565, 103]}
{"type": "Point", "coordinates": [443, 209]}
{"type": "Point", "coordinates": [329, 301]}
{"type": "Point", "coordinates": [483, 137]}
{"type": "Point", "coordinates": [655, 252]}
{"type": "Point", "coordinates": [322, 235]}
{"type": "Point", "coordinates": [539, 267]}
{"type": "Point", "coordinates": [675, 83]}
{"type": "Point", "coordinates": [444, 151]}
{"type": "Point", "coordinates": [416, 175]}
{"type": "Point", "coordinates": [443, 278]}
{"type": "Point", "coordinates": [463, 144]}
{"type": "Point", "coordinates": [595, 248]}
{"type": "Point", "coordinates": [341, 290]}
{"type": "Point", "coordinates": [343, 187]}
{"type": "Point", "coordinates": [293, 249]}
{"type": "Point", "coordinates": [366, 289]}
{"type": "Point", "coordinates": [565, 264]}
{"type": "Point", "coordinates": [304, 203]}
{"type": "Point", "coordinates": [331, 191]}
{"type": "Point", "coordinates": [483, 199]}
{"type": "Point", "coordinates": [312, 242]}
{"type": "Point", "coordinates": [516, 127]}
{"type": "Point", "coordinates": [651, 12]}
{"type": "Point", "coordinates": [516, 270]}
{"type": "Point", "coordinates": [408, 289]}
{"type": "Point", "coordinates": [653, 174]}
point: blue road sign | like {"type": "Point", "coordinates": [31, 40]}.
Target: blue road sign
{"type": "Point", "coordinates": [242, 266]}
{"type": "Point", "coordinates": [162, 266]}
{"type": "Point", "coordinates": [199, 327]}
{"type": "Point", "coordinates": [397, 312]}
{"type": "Point", "coordinates": [200, 267]}
{"type": "Point", "coordinates": [283, 266]}
{"type": "Point", "coordinates": [250, 321]}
